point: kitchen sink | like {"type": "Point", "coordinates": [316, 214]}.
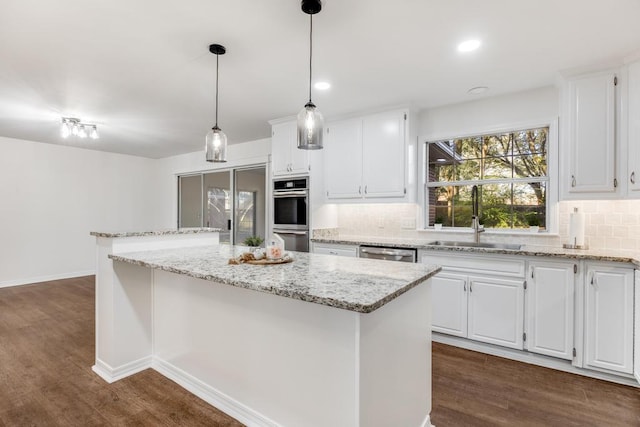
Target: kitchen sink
{"type": "Point", "coordinates": [508, 246]}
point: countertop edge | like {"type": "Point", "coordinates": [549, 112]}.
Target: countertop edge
{"type": "Point", "coordinates": [155, 233]}
{"type": "Point", "coordinates": [330, 302]}
{"type": "Point", "coordinates": [535, 252]}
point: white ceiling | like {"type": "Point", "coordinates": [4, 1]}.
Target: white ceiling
{"type": "Point", "coordinates": [142, 71]}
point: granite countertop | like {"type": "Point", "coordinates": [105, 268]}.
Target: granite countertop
{"type": "Point", "coordinates": [632, 257]}
{"type": "Point", "coordinates": [194, 230]}
{"type": "Point", "coordinates": [360, 285]}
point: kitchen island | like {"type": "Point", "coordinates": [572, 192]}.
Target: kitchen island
{"type": "Point", "coordinates": [319, 341]}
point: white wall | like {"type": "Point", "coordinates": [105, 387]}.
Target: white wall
{"type": "Point", "coordinates": [487, 114]}
{"type": "Point", "coordinates": [52, 196]}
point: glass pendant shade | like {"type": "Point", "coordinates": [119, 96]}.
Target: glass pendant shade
{"type": "Point", "coordinates": [94, 133]}
{"type": "Point", "coordinates": [216, 145]}
{"type": "Point", "coordinates": [310, 125]}
{"type": "Point", "coordinates": [65, 131]}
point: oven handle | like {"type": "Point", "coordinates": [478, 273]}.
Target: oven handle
{"type": "Point", "coordinates": [297, 233]}
{"type": "Point", "coordinates": [289, 193]}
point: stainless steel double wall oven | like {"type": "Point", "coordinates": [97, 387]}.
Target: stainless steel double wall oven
{"type": "Point", "coordinates": [291, 212]}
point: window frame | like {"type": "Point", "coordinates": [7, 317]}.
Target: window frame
{"type": "Point", "coordinates": [551, 180]}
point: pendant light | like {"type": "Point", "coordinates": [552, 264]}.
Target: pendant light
{"type": "Point", "coordinates": [310, 120]}
{"type": "Point", "coordinates": [216, 140]}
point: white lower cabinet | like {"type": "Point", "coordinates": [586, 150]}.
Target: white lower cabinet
{"type": "Point", "coordinates": [609, 317]}
{"type": "Point", "coordinates": [496, 311]}
{"type": "Point", "coordinates": [636, 329]}
{"type": "Point", "coordinates": [550, 308]}
{"type": "Point", "coordinates": [580, 311]}
{"type": "Point", "coordinates": [449, 308]}
{"type": "Point", "coordinates": [479, 307]}
{"type": "Point", "coordinates": [335, 249]}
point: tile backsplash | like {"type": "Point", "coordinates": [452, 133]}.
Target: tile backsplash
{"type": "Point", "coordinates": [609, 224]}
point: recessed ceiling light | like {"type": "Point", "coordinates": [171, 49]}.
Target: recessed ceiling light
{"type": "Point", "coordinates": [441, 160]}
{"type": "Point", "coordinates": [468, 45]}
{"type": "Point", "coordinates": [322, 85]}
{"type": "Point", "coordinates": [477, 90]}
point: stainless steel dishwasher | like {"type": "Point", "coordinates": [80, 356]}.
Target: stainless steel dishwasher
{"type": "Point", "coordinates": [389, 254]}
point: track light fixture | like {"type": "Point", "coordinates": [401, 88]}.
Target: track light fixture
{"type": "Point", "coordinates": [71, 126]}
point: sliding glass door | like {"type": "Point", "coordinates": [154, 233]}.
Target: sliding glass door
{"type": "Point", "coordinates": [250, 212]}
{"type": "Point", "coordinates": [217, 203]}
{"type": "Point", "coordinates": [207, 200]}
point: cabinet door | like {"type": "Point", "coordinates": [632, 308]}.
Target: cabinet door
{"type": "Point", "coordinates": [633, 177]}
{"type": "Point", "coordinates": [383, 158]}
{"type": "Point", "coordinates": [592, 134]}
{"type": "Point", "coordinates": [299, 163]}
{"type": "Point", "coordinates": [343, 160]}
{"type": "Point", "coordinates": [550, 302]}
{"type": "Point", "coordinates": [609, 318]}
{"type": "Point", "coordinates": [636, 329]}
{"type": "Point", "coordinates": [496, 311]}
{"type": "Point", "coordinates": [283, 135]}
{"type": "Point", "coordinates": [449, 304]}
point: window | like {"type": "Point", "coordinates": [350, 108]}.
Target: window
{"type": "Point", "coordinates": [510, 170]}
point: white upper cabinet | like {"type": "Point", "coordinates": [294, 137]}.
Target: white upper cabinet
{"type": "Point", "coordinates": [343, 151]}
{"type": "Point", "coordinates": [591, 134]}
{"type": "Point", "coordinates": [366, 157]}
{"type": "Point", "coordinates": [384, 154]}
{"type": "Point", "coordinates": [550, 308]}
{"type": "Point", "coordinates": [286, 158]}
{"type": "Point", "coordinates": [633, 135]}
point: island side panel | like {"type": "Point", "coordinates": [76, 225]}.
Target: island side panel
{"type": "Point", "coordinates": [395, 361]}
{"type": "Point", "coordinates": [264, 359]}
{"type": "Point", "coordinates": [123, 319]}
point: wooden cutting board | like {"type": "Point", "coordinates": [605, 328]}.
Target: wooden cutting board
{"type": "Point", "coordinates": [269, 261]}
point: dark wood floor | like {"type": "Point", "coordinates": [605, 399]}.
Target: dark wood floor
{"type": "Point", "coordinates": [475, 389]}
{"type": "Point", "coordinates": [47, 349]}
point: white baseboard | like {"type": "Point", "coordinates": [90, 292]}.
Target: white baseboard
{"type": "Point", "coordinates": [427, 422]}
{"type": "Point", "coordinates": [38, 279]}
{"type": "Point", "coordinates": [531, 358]}
{"type": "Point", "coordinates": [110, 374]}
{"type": "Point", "coordinates": [214, 397]}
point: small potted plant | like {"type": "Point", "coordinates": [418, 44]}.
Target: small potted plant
{"type": "Point", "coordinates": [437, 225]}
{"type": "Point", "coordinates": [253, 241]}
{"type": "Point", "coordinates": [533, 221]}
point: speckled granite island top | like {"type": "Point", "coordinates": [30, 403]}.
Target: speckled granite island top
{"type": "Point", "coordinates": [360, 285]}
{"type": "Point", "coordinates": [154, 233]}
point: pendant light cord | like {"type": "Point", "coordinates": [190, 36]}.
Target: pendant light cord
{"type": "Point", "coordinates": [217, 62]}
{"type": "Point", "coordinates": [310, 51]}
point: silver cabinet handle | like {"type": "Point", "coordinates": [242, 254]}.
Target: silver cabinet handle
{"type": "Point", "coordinates": [359, 189]}
{"type": "Point", "coordinates": [573, 180]}
{"type": "Point", "coordinates": [365, 189]}
{"type": "Point", "coordinates": [464, 286]}
{"type": "Point", "coordinates": [632, 178]}
{"type": "Point", "coordinates": [333, 252]}
{"type": "Point", "coordinates": [470, 286]}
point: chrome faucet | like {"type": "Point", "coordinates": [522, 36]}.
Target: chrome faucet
{"type": "Point", "coordinates": [475, 219]}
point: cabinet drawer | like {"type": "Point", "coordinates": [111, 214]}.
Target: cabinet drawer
{"type": "Point", "coordinates": [335, 249]}
{"type": "Point", "coordinates": [477, 264]}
